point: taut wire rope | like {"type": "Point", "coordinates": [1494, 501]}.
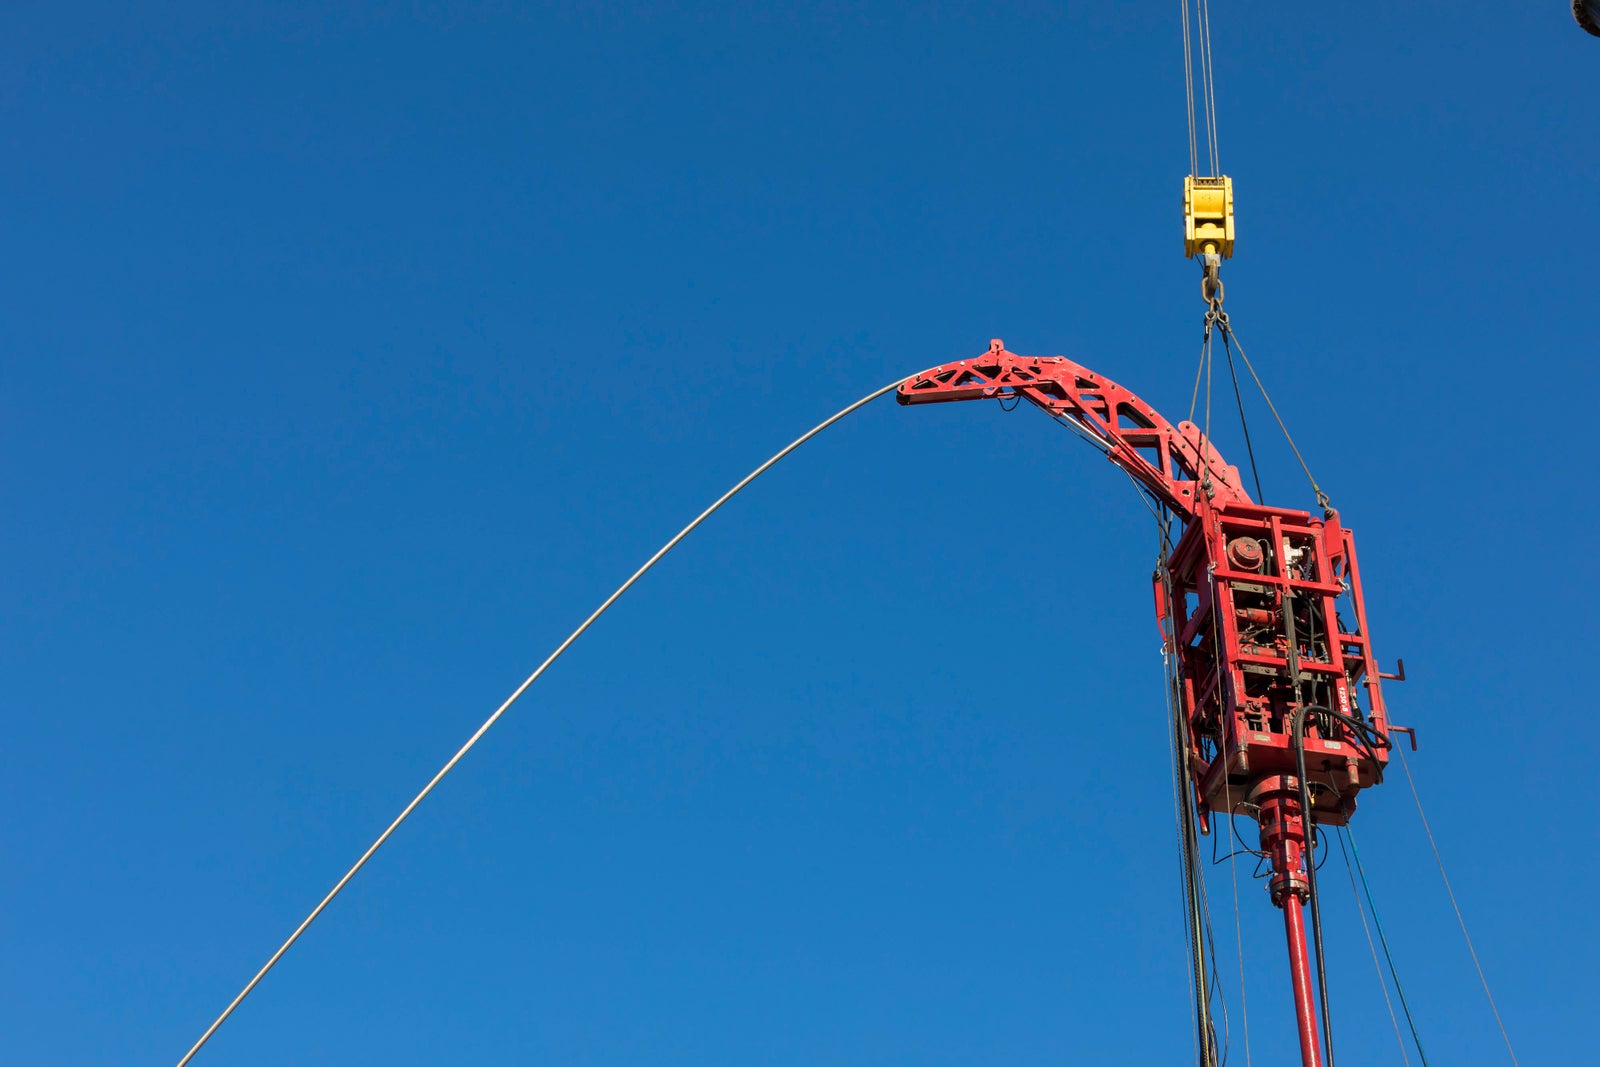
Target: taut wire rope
{"type": "Point", "coordinates": [1462, 922]}
{"type": "Point", "coordinates": [1366, 929]}
{"type": "Point", "coordinates": [1197, 39]}
{"type": "Point", "coordinates": [512, 699]}
{"type": "Point", "coordinates": [1188, 86]}
{"type": "Point", "coordinates": [1383, 939]}
{"type": "Point", "coordinates": [1205, 354]}
{"type": "Point", "coordinates": [1228, 332]}
{"type": "Point", "coordinates": [1244, 422]}
{"type": "Point", "coordinates": [1203, 9]}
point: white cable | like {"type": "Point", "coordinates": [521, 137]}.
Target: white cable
{"type": "Point", "coordinates": [512, 699]}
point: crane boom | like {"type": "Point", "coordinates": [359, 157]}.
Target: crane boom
{"type": "Point", "coordinates": [1176, 463]}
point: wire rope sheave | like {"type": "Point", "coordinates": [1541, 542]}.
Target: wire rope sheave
{"type": "Point", "coordinates": [516, 694]}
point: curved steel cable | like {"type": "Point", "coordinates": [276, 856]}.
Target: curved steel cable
{"type": "Point", "coordinates": [512, 699]}
{"type": "Point", "coordinates": [1361, 910]}
{"type": "Point", "coordinates": [1460, 919]}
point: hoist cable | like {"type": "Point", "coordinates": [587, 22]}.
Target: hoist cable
{"type": "Point", "coordinates": [1227, 330]}
{"type": "Point", "coordinates": [512, 699]}
{"type": "Point", "coordinates": [1188, 87]}
{"type": "Point", "coordinates": [1383, 940]}
{"type": "Point", "coordinates": [1203, 9]}
{"type": "Point", "coordinates": [1462, 922]}
{"type": "Point", "coordinates": [1197, 42]}
{"type": "Point", "coordinates": [1366, 928]}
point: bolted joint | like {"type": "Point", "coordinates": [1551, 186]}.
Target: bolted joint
{"type": "Point", "coordinates": [1283, 836]}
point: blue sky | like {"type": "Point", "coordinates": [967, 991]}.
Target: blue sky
{"type": "Point", "coordinates": [352, 356]}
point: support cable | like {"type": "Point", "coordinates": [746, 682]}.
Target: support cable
{"type": "Point", "coordinates": [1227, 332]}
{"type": "Point", "coordinates": [1188, 87]}
{"type": "Point", "coordinates": [1205, 354]}
{"type": "Point", "coordinates": [1459, 920]}
{"type": "Point", "coordinates": [1384, 941]}
{"type": "Point", "coordinates": [1366, 928]}
{"type": "Point", "coordinates": [1197, 41]}
{"type": "Point", "coordinates": [1203, 10]}
{"type": "Point", "coordinates": [1244, 423]}
{"type": "Point", "coordinates": [512, 699]}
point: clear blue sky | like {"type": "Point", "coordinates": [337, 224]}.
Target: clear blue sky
{"type": "Point", "coordinates": [350, 358]}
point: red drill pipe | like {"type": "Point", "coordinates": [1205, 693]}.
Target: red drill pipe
{"type": "Point", "coordinates": [1305, 1009]}
{"type": "Point", "coordinates": [1283, 838]}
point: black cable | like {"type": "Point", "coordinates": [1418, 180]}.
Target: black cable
{"type": "Point", "coordinates": [1243, 850]}
{"type": "Point", "coordinates": [1198, 928]}
{"type": "Point", "coordinates": [1297, 728]}
{"type": "Point", "coordinates": [1243, 422]}
{"type": "Point", "coordinates": [1215, 862]}
{"type": "Point", "coordinates": [1369, 739]}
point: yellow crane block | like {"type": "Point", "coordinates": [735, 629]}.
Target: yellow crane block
{"type": "Point", "coordinates": [1208, 216]}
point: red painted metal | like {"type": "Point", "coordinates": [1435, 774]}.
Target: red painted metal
{"type": "Point", "coordinates": [1175, 463]}
{"type": "Point", "coordinates": [1283, 838]}
{"type": "Point", "coordinates": [1305, 1010]}
{"type": "Point", "coordinates": [1261, 607]}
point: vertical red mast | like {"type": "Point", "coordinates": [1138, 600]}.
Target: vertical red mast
{"type": "Point", "coordinates": [1261, 610]}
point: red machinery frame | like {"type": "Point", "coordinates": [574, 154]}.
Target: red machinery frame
{"type": "Point", "coordinates": [1260, 608]}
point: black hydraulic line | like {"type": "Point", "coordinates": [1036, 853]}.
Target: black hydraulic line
{"type": "Point", "coordinates": [1297, 733]}
{"type": "Point", "coordinates": [1197, 926]}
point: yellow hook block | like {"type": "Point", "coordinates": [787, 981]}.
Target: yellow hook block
{"type": "Point", "coordinates": [1208, 216]}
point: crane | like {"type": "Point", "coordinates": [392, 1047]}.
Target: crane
{"type": "Point", "coordinates": [1278, 701]}
{"type": "Point", "coordinates": [1273, 689]}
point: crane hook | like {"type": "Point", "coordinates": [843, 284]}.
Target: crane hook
{"type": "Point", "coordinates": [1211, 290]}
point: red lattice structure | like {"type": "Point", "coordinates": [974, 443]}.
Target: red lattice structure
{"type": "Point", "coordinates": [1262, 613]}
